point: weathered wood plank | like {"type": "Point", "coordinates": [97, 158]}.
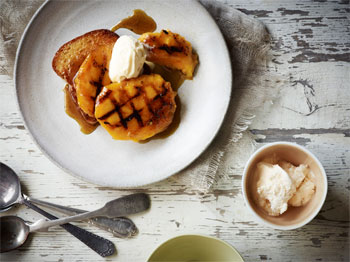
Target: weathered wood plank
{"type": "Point", "coordinates": [311, 57]}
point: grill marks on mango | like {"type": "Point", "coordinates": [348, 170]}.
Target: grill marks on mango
{"type": "Point", "coordinates": [117, 109]}
{"type": "Point", "coordinates": [171, 50]}
{"type": "Point", "coordinates": [136, 109]}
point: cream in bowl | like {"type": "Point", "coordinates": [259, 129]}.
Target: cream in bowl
{"type": "Point", "coordinates": [284, 185]}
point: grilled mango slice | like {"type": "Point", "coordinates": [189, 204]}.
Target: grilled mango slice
{"type": "Point", "coordinates": [72, 54]}
{"type": "Point", "coordinates": [91, 77]}
{"type": "Point", "coordinates": [136, 109]}
{"type": "Point", "coordinates": [170, 50]}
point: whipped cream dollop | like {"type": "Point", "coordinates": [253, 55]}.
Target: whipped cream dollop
{"type": "Point", "coordinates": [128, 57]}
{"type": "Point", "coordinates": [282, 184]}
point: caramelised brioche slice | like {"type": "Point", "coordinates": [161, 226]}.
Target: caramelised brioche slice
{"type": "Point", "coordinates": [136, 109]}
{"type": "Point", "coordinates": [170, 50]}
{"type": "Point", "coordinates": [92, 76]}
{"type": "Point", "coordinates": [72, 54]}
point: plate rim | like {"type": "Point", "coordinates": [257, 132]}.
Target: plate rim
{"type": "Point", "coordinates": [130, 185]}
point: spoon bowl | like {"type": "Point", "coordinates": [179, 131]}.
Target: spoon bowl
{"type": "Point", "coordinates": [14, 232]}
{"type": "Point", "coordinates": [10, 187]}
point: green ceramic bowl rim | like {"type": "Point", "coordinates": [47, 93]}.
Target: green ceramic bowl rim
{"type": "Point", "coordinates": [196, 235]}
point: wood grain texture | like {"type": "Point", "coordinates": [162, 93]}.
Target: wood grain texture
{"type": "Point", "coordinates": [311, 53]}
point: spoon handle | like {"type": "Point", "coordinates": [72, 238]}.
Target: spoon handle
{"type": "Point", "coordinates": [121, 227]}
{"type": "Point", "coordinates": [127, 205]}
{"type": "Point", "coordinates": [100, 245]}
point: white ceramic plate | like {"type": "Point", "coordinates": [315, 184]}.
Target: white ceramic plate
{"type": "Point", "coordinates": [97, 157]}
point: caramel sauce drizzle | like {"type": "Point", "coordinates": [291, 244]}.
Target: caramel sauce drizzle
{"type": "Point", "coordinates": [73, 111]}
{"type": "Point", "coordinates": [139, 23]}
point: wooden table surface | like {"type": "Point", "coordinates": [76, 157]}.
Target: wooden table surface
{"type": "Point", "coordinates": [311, 44]}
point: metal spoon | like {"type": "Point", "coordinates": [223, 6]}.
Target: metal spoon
{"type": "Point", "coordinates": [10, 194]}
{"type": "Point", "coordinates": [127, 205]}
{"type": "Point", "coordinates": [121, 227]}
{"type": "Point", "coordinates": [10, 191]}
{"type": "Point", "coordinates": [14, 231]}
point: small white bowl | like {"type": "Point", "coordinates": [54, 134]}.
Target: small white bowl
{"type": "Point", "coordinates": [294, 217]}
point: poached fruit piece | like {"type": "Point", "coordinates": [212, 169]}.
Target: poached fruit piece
{"type": "Point", "coordinates": [136, 109]}
{"type": "Point", "coordinates": [91, 77]}
{"type": "Point", "coordinates": [171, 50]}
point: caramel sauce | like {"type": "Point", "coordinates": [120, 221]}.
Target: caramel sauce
{"type": "Point", "coordinates": [73, 111]}
{"type": "Point", "coordinates": [175, 77]}
{"type": "Point", "coordinates": [139, 23]}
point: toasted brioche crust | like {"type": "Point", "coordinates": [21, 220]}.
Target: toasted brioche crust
{"type": "Point", "coordinates": [72, 54]}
